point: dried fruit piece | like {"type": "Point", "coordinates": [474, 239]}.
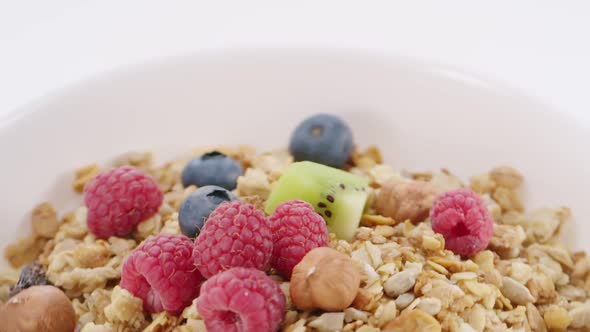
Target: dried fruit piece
{"type": "Point", "coordinates": [31, 275]}
{"type": "Point", "coordinates": [324, 279]}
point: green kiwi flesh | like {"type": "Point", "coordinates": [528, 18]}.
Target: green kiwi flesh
{"type": "Point", "coordinates": [338, 196]}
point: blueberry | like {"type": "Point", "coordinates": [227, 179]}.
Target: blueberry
{"type": "Point", "coordinates": [322, 138]}
{"type": "Point", "coordinates": [213, 168]}
{"type": "Point", "coordinates": [198, 205]}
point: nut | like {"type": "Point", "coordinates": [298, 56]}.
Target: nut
{"type": "Point", "coordinates": [580, 315]}
{"type": "Point", "coordinates": [325, 279]}
{"type": "Point", "coordinates": [557, 318]}
{"type": "Point", "coordinates": [372, 153]}
{"type": "Point", "coordinates": [508, 199]}
{"type": "Point", "coordinates": [38, 309]}
{"type": "Point", "coordinates": [91, 327]}
{"type": "Point", "coordinates": [401, 282]}
{"type": "Point", "coordinates": [506, 176]}
{"type": "Point", "coordinates": [406, 200]}
{"type": "Point", "coordinates": [330, 321]}
{"type": "Point", "coordinates": [444, 181]}
{"type": "Point", "coordinates": [83, 175]}
{"type": "Point", "coordinates": [544, 224]}
{"type": "Point", "coordinates": [24, 251]}
{"type": "Point", "coordinates": [371, 220]}
{"type": "Point", "coordinates": [430, 305]}
{"type": "Point", "coordinates": [44, 220]}
{"type": "Point", "coordinates": [516, 291]}
{"type": "Point", "coordinates": [125, 309]}
{"type": "Point", "coordinates": [404, 300]}
{"type": "Point", "coordinates": [534, 318]}
{"type": "Point", "coordinates": [353, 314]}
{"type": "Point", "coordinates": [415, 320]}
{"type": "Point", "coordinates": [482, 183]}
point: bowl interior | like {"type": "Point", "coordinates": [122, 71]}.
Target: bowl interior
{"type": "Point", "coordinates": [423, 116]}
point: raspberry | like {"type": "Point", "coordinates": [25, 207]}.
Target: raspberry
{"type": "Point", "coordinates": [161, 273]}
{"type": "Point", "coordinates": [296, 229]}
{"type": "Point", "coordinates": [241, 300]}
{"type": "Point", "coordinates": [462, 218]}
{"type": "Point", "coordinates": [235, 235]}
{"type": "Point", "coordinates": [119, 199]}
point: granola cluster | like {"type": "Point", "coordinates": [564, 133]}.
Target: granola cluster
{"type": "Point", "coordinates": [526, 280]}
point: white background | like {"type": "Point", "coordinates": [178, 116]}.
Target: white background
{"type": "Point", "coordinates": [542, 47]}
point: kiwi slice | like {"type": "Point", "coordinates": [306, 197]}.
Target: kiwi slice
{"type": "Point", "coordinates": [338, 196]}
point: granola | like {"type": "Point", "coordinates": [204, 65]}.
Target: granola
{"type": "Point", "coordinates": [525, 280]}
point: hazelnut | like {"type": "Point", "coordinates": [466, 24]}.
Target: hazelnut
{"type": "Point", "coordinates": [406, 200]}
{"type": "Point", "coordinates": [325, 279]}
{"type": "Point", "coordinates": [38, 309]}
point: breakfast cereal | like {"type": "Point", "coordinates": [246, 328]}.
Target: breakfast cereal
{"type": "Point", "coordinates": [521, 278]}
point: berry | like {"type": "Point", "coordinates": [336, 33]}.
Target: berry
{"type": "Point", "coordinates": [161, 273]}
{"type": "Point", "coordinates": [322, 138]}
{"type": "Point", "coordinates": [462, 218]}
{"type": "Point", "coordinates": [213, 168]}
{"type": "Point", "coordinates": [241, 300]}
{"type": "Point", "coordinates": [235, 235]}
{"type": "Point", "coordinates": [296, 229]}
{"type": "Point", "coordinates": [119, 199]}
{"type": "Point", "coordinates": [198, 206]}
{"type": "Point", "coordinates": [30, 275]}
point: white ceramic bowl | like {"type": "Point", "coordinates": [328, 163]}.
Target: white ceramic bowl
{"type": "Point", "coordinates": [422, 115]}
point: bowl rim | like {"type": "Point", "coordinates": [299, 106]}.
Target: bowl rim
{"type": "Point", "coordinates": [417, 65]}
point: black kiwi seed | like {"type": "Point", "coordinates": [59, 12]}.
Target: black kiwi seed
{"type": "Point", "coordinates": [328, 213]}
{"type": "Point", "coordinates": [321, 204]}
{"type": "Point", "coordinates": [330, 198]}
{"type": "Point", "coordinates": [342, 186]}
